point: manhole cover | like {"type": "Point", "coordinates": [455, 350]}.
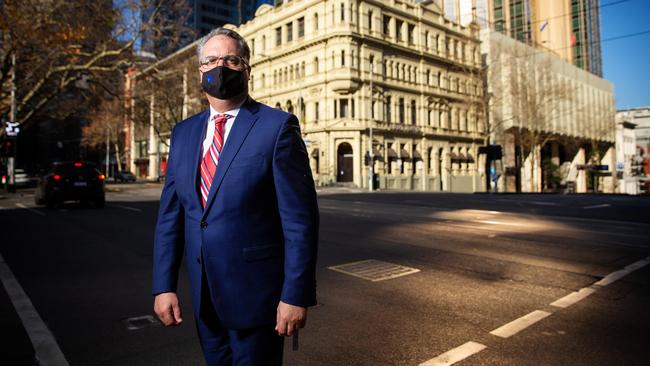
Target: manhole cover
{"type": "Point", "coordinates": [139, 322]}
{"type": "Point", "coordinates": [374, 270]}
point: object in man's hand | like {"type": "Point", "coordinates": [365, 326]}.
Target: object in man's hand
{"type": "Point", "coordinates": [295, 340]}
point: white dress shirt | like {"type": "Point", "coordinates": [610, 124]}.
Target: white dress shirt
{"type": "Point", "coordinates": [209, 134]}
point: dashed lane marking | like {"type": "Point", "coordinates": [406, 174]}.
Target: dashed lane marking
{"type": "Point", "coordinates": [520, 324]}
{"type": "Point", "coordinates": [517, 325]}
{"type": "Point", "coordinates": [30, 209]}
{"type": "Point", "coordinates": [615, 276]}
{"type": "Point", "coordinates": [455, 355]}
{"type": "Point", "coordinates": [46, 348]}
{"type": "Point", "coordinates": [542, 203]}
{"type": "Point", "coordinates": [597, 206]}
{"type": "Point", "coordinates": [573, 297]}
{"type": "Point", "coordinates": [126, 208]}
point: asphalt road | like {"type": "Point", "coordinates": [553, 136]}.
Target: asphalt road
{"type": "Point", "coordinates": [483, 261]}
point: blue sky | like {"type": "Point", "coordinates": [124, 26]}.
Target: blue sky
{"type": "Point", "coordinates": [626, 62]}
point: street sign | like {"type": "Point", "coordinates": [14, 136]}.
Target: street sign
{"type": "Point", "coordinates": [12, 129]}
{"type": "Point", "coordinates": [593, 167]}
{"type": "Point", "coordinates": [620, 166]}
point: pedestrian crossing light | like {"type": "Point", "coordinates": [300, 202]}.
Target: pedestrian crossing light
{"type": "Point", "coordinates": [7, 147]}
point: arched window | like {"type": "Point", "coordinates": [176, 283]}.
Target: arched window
{"type": "Point", "coordinates": [316, 68]}
{"type": "Point", "coordinates": [315, 21]}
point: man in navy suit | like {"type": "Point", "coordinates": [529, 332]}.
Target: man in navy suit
{"type": "Point", "coordinates": [239, 202]}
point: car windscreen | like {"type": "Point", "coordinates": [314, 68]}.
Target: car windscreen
{"type": "Point", "coordinates": [85, 171]}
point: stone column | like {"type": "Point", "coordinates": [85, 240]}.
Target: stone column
{"type": "Point", "coordinates": [153, 143]}
{"type": "Point", "coordinates": [132, 147]}
{"type": "Point", "coordinates": [581, 179]}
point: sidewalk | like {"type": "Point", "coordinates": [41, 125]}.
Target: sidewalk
{"type": "Point", "coordinates": [16, 347]}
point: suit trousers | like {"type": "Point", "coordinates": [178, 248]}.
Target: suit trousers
{"type": "Point", "coordinates": [261, 346]}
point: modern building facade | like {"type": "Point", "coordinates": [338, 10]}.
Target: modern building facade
{"type": "Point", "coordinates": [569, 29]}
{"type": "Point", "coordinates": [555, 121]}
{"type": "Point", "coordinates": [626, 156]}
{"type": "Point", "coordinates": [210, 14]}
{"type": "Point", "coordinates": [203, 16]}
{"type": "Point", "coordinates": [391, 88]}
{"type": "Point", "coordinates": [640, 118]}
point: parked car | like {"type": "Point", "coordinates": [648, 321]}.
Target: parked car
{"type": "Point", "coordinates": [68, 181]}
{"type": "Point", "coordinates": [125, 176]}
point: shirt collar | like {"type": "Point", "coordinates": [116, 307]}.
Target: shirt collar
{"type": "Point", "coordinates": [232, 112]}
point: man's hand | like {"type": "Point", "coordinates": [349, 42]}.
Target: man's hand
{"type": "Point", "coordinates": [167, 308]}
{"type": "Point", "coordinates": [290, 318]}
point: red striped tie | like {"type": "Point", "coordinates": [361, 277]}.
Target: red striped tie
{"type": "Point", "coordinates": [211, 157]}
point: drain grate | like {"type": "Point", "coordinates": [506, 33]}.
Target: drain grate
{"type": "Point", "coordinates": [139, 322]}
{"type": "Point", "coordinates": [374, 270]}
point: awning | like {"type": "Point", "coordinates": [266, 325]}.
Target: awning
{"type": "Point", "coordinates": [391, 154]}
{"type": "Point", "coordinates": [403, 154]}
{"type": "Point", "coordinates": [376, 152]}
{"type": "Point", "coordinates": [314, 153]}
{"type": "Point", "coordinates": [461, 157]}
{"type": "Point", "coordinates": [417, 155]}
{"type": "Point", "coordinates": [453, 156]}
{"type": "Point", "coordinates": [470, 158]}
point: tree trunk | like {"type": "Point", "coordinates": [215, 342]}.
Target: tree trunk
{"type": "Point", "coordinates": [117, 158]}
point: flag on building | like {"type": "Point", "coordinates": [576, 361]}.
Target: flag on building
{"type": "Point", "coordinates": [544, 25]}
{"type": "Point", "coordinates": [573, 40]}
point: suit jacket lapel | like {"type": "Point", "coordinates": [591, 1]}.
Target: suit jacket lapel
{"type": "Point", "coordinates": [196, 139]}
{"type": "Point", "coordinates": [241, 127]}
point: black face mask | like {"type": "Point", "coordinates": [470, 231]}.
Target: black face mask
{"type": "Point", "coordinates": [223, 83]}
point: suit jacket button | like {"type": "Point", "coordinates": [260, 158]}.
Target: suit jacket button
{"type": "Point", "coordinates": [204, 224]}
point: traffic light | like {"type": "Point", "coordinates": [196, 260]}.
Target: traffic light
{"type": "Point", "coordinates": [7, 147]}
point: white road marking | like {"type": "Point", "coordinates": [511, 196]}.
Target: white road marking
{"type": "Point", "coordinates": [454, 355]}
{"type": "Point", "coordinates": [490, 222]}
{"type": "Point", "coordinates": [126, 208]}
{"type": "Point", "coordinates": [520, 324]}
{"type": "Point", "coordinates": [541, 203]}
{"type": "Point", "coordinates": [30, 209]}
{"type": "Point", "coordinates": [46, 348]}
{"type": "Point", "coordinates": [615, 276]}
{"type": "Point", "coordinates": [597, 206]}
{"type": "Point", "coordinates": [573, 298]}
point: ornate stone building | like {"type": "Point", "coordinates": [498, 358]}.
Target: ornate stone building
{"type": "Point", "coordinates": [350, 69]}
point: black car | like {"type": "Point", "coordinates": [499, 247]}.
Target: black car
{"type": "Point", "coordinates": [78, 181]}
{"type": "Point", "coordinates": [125, 176]}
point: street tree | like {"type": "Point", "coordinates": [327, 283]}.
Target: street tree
{"type": "Point", "coordinates": [530, 103]}
{"type": "Point", "coordinates": [104, 129]}
{"type": "Point", "coordinates": [70, 53]}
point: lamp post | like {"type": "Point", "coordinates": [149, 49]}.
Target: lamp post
{"type": "Point", "coordinates": [371, 164]}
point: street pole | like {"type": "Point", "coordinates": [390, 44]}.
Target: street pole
{"type": "Point", "coordinates": [371, 164]}
{"type": "Point", "coordinates": [108, 147]}
{"type": "Point", "coordinates": [13, 88]}
{"type": "Point", "coordinates": [13, 116]}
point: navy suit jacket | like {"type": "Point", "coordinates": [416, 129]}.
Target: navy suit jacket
{"type": "Point", "coordinates": [257, 237]}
